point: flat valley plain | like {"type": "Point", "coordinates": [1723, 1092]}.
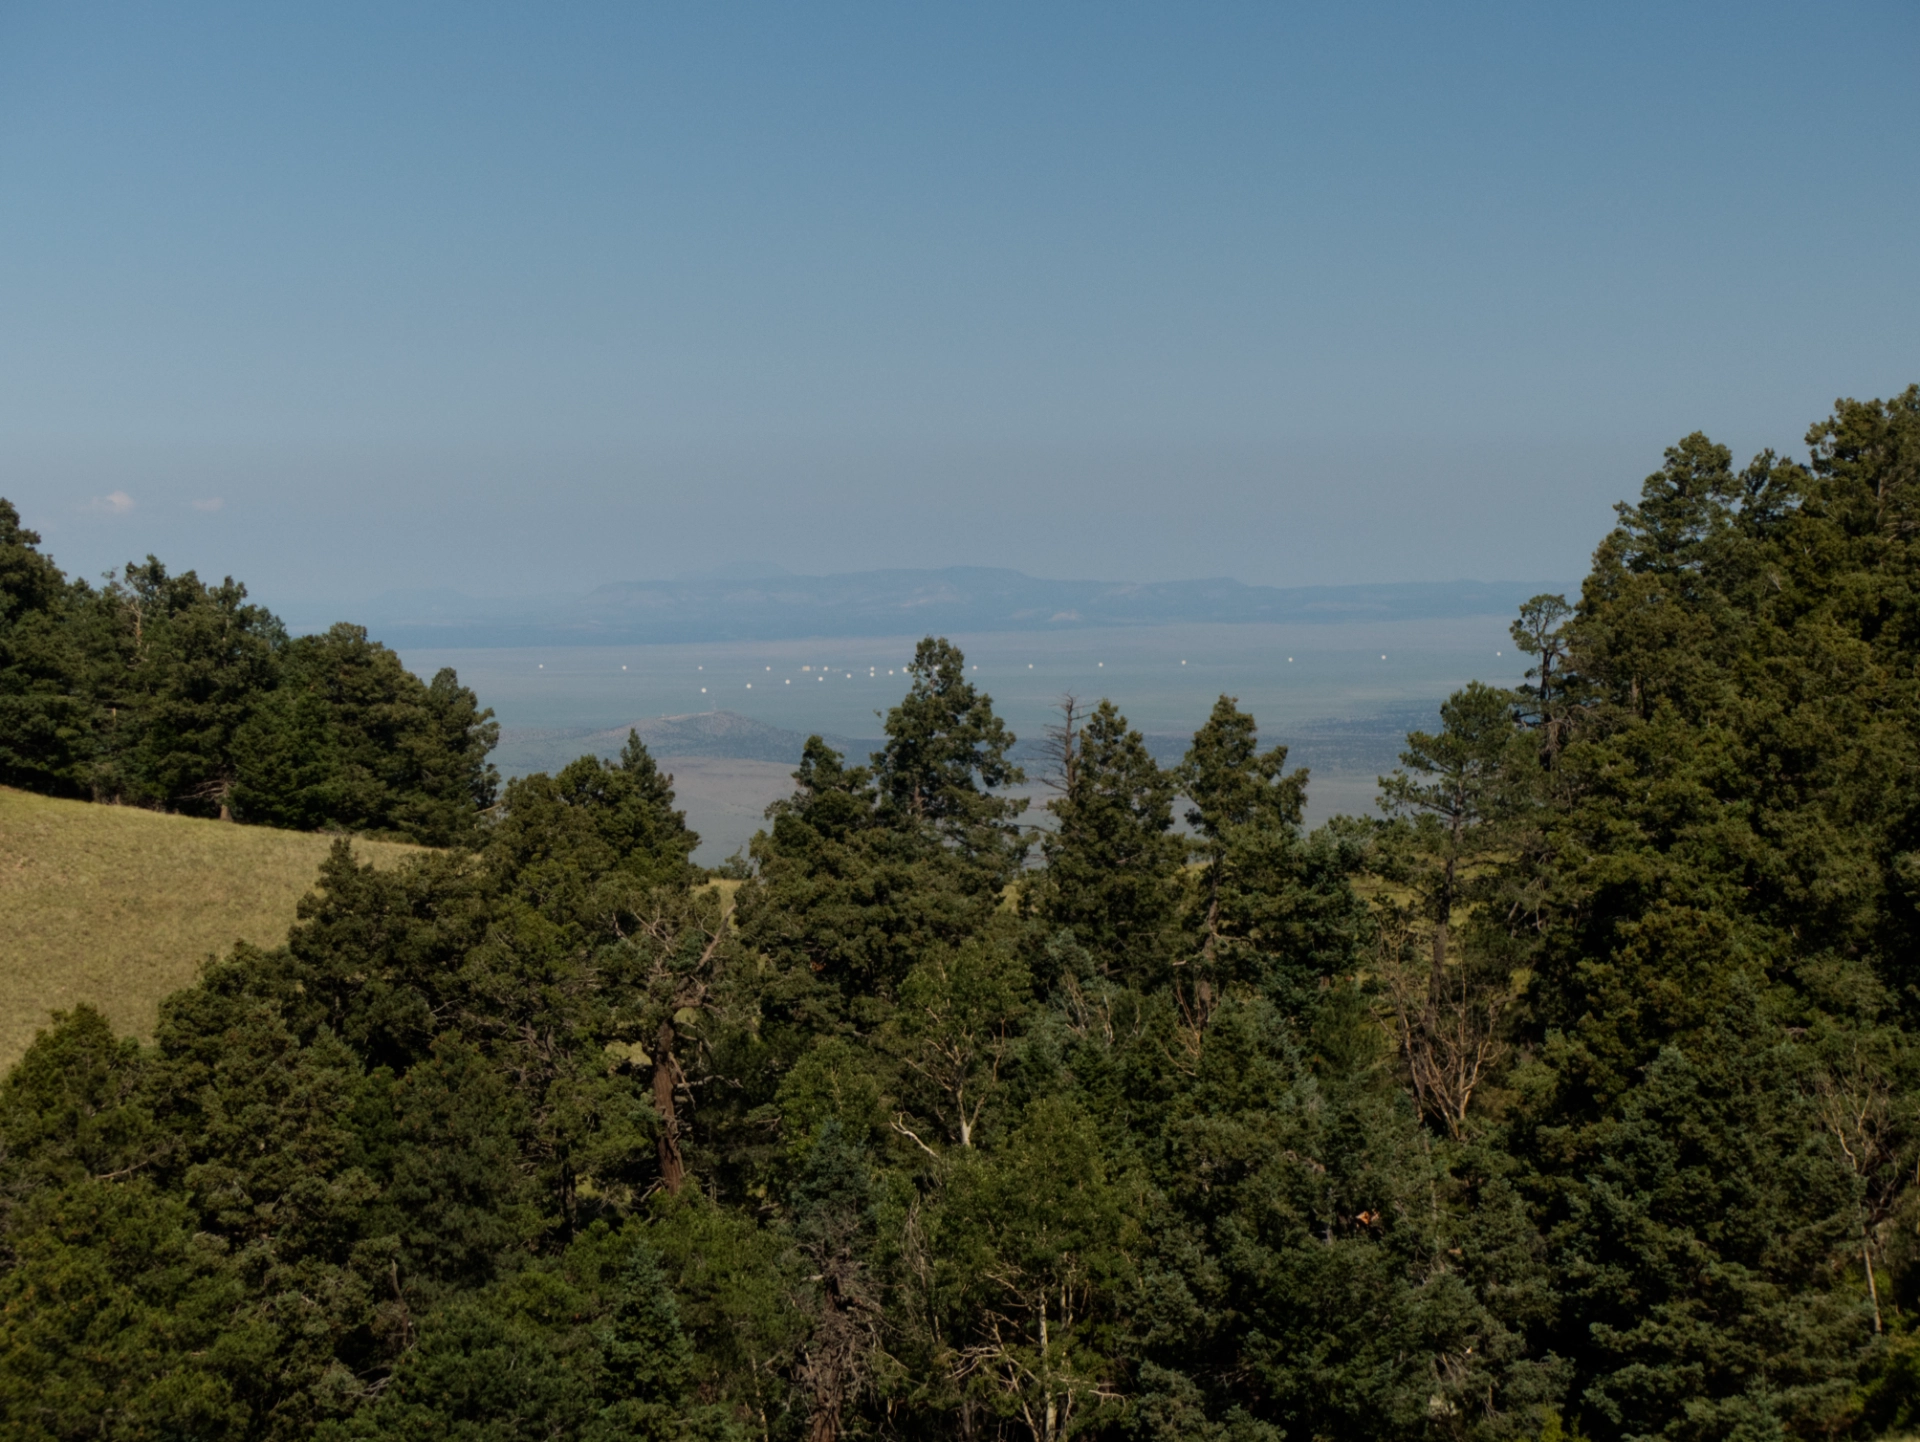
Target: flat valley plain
{"type": "Point", "coordinates": [1341, 696]}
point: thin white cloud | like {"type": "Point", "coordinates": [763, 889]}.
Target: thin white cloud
{"type": "Point", "coordinates": [115, 503]}
{"type": "Point", "coordinates": [211, 503]}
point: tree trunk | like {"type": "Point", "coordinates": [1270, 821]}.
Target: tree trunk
{"type": "Point", "coordinates": [1873, 1287]}
{"type": "Point", "coordinates": [831, 1358]}
{"type": "Point", "coordinates": [672, 1169]}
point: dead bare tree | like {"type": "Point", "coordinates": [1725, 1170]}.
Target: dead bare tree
{"type": "Point", "coordinates": [1855, 1102]}
{"type": "Point", "coordinates": [1026, 1350]}
{"type": "Point", "coordinates": [833, 1364]}
{"type": "Point", "coordinates": [1445, 1014]}
{"type": "Point", "coordinates": [1063, 747]}
{"type": "Point", "coordinates": [956, 1028]}
{"type": "Point", "coordinates": [830, 1227]}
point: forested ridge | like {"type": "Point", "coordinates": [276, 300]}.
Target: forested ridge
{"type": "Point", "coordinates": [1573, 1096]}
{"type": "Point", "coordinates": [163, 691]}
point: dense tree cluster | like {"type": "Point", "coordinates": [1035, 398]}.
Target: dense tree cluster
{"type": "Point", "coordinates": [1574, 1096]}
{"type": "Point", "coordinates": [160, 690]}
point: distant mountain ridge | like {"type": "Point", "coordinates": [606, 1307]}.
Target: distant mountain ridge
{"type": "Point", "coordinates": [952, 600]}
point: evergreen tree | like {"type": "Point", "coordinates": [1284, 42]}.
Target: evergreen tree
{"type": "Point", "coordinates": [1697, 1250]}
{"type": "Point", "coordinates": [1453, 803]}
{"type": "Point", "coordinates": [945, 754]}
{"type": "Point", "coordinates": [536, 1138]}
{"type": "Point", "coordinates": [866, 869]}
{"type": "Point", "coordinates": [1233, 784]}
{"type": "Point", "coordinates": [1245, 803]}
{"type": "Point", "coordinates": [1320, 1268]}
{"type": "Point", "coordinates": [160, 690]}
{"type": "Point", "coordinates": [44, 720]}
{"type": "Point", "coordinates": [121, 1321]}
{"type": "Point", "coordinates": [1032, 1246]}
{"type": "Point", "coordinates": [350, 738]}
{"type": "Point", "coordinates": [562, 833]}
{"type": "Point", "coordinates": [1710, 871]}
{"type": "Point", "coordinates": [178, 667]}
{"type": "Point", "coordinates": [587, 1345]}
{"type": "Point", "coordinates": [1111, 858]}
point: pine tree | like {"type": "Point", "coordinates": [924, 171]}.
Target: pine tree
{"type": "Point", "coordinates": [349, 738]}
{"type": "Point", "coordinates": [1245, 805]}
{"type": "Point", "coordinates": [178, 668]}
{"type": "Point", "coordinates": [945, 755]}
{"type": "Point", "coordinates": [1697, 1250]}
{"type": "Point", "coordinates": [867, 869]}
{"type": "Point", "coordinates": [45, 720]}
{"type": "Point", "coordinates": [1111, 858]}
{"type": "Point", "coordinates": [1232, 783]}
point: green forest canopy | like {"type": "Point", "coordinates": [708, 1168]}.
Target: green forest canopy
{"type": "Point", "coordinates": [162, 691]}
{"type": "Point", "coordinates": [1573, 1096]}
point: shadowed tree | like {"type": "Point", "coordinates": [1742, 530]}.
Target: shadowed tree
{"type": "Point", "coordinates": [45, 718]}
{"type": "Point", "coordinates": [350, 738]}
{"type": "Point", "coordinates": [1112, 857]}
{"type": "Point", "coordinates": [1239, 793]}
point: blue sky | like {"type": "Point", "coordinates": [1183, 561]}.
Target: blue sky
{"type": "Point", "coordinates": [523, 299]}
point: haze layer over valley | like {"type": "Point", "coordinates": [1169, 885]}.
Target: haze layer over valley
{"type": "Point", "coordinates": [1341, 693]}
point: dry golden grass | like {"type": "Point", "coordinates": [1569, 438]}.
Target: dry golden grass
{"type": "Point", "coordinates": [727, 890]}
{"type": "Point", "coordinates": [118, 907]}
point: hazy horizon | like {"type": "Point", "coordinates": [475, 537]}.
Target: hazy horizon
{"type": "Point", "coordinates": [1299, 681]}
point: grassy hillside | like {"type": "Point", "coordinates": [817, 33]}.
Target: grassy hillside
{"type": "Point", "coordinates": [117, 906]}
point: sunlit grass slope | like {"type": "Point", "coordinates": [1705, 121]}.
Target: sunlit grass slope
{"type": "Point", "coordinates": [117, 907]}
